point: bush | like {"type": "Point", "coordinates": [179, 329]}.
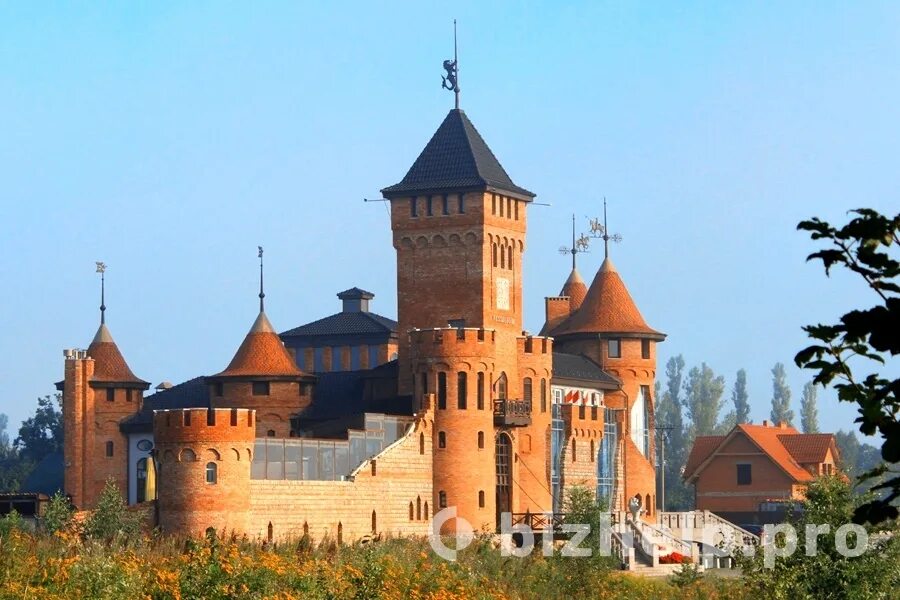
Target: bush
{"type": "Point", "coordinates": [58, 515]}
{"type": "Point", "coordinates": [112, 519]}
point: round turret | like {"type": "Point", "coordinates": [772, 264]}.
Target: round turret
{"type": "Point", "coordinates": [457, 366]}
{"type": "Point", "coordinates": [204, 458]}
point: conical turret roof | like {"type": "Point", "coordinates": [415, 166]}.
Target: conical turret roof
{"type": "Point", "coordinates": [109, 364]}
{"type": "Point", "coordinates": [456, 159]}
{"type": "Point", "coordinates": [575, 289]}
{"type": "Point", "coordinates": [262, 353]}
{"type": "Point", "coordinates": [607, 308]}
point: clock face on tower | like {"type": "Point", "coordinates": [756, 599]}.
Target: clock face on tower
{"type": "Point", "coordinates": [502, 293]}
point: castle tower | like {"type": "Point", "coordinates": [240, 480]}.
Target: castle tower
{"type": "Point", "coordinates": [263, 376]}
{"type": "Point", "coordinates": [204, 458]}
{"type": "Point", "coordinates": [570, 298]}
{"type": "Point", "coordinates": [99, 391]}
{"type": "Point", "coordinates": [458, 226]}
{"type": "Point", "coordinates": [609, 328]}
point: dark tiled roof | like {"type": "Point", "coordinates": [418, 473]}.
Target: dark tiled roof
{"type": "Point", "coordinates": [193, 393]}
{"type": "Point", "coordinates": [456, 158]}
{"type": "Point", "coordinates": [47, 476]}
{"type": "Point", "coordinates": [355, 292]}
{"type": "Point", "coordinates": [345, 323]}
{"type": "Point", "coordinates": [577, 366]}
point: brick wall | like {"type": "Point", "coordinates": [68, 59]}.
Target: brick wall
{"type": "Point", "coordinates": [401, 478]}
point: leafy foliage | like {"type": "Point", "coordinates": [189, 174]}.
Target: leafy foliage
{"type": "Point", "coordinates": [821, 572]}
{"type": "Point", "coordinates": [670, 423]}
{"type": "Point", "coordinates": [112, 519]}
{"type": "Point", "coordinates": [866, 337]}
{"type": "Point", "coordinates": [59, 514]}
{"type": "Point", "coordinates": [740, 398]}
{"type": "Point", "coordinates": [781, 397]}
{"type": "Point", "coordinates": [809, 414]}
{"type": "Point", "coordinates": [13, 470]}
{"type": "Point", "coordinates": [703, 400]}
{"type": "Point", "coordinates": [42, 434]}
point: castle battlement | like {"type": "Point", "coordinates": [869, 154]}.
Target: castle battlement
{"type": "Point", "coordinates": [192, 425]}
{"type": "Point", "coordinates": [534, 344]}
{"type": "Point", "coordinates": [450, 341]}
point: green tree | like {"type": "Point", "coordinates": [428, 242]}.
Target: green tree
{"type": "Point", "coordinates": [703, 400]}
{"type": "Point", "coordinates": [809, 414]}
{"type": "Point", "coordinates": [13, 470]}
{"type": "Point", "coordinates": [864, 339]}
{"type": "Point", "coordinates": [58, 514]}
{"type": "Point", "coordinates": [42, 433]}
{"type": "Point", "coordinates": [823, 572]}
{"type": "Point", "coordinates": [671, 432]}
{"type": "Point", "coordinates": [111, 519]}
{"type": "Point", "coordinates": [740, 398]}
{"type": "Point", "coordinates": [781, 397]}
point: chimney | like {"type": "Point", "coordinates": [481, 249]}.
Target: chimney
{"type": "Point", "coordinates": [355, 300]}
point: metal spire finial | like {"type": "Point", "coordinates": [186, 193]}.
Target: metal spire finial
{"type": "Point", "coordinates": [602, 232]}
{"type": "Point", "coordinates": [101, 268]}
{"type": "Point", "coordinates": [452, 68]}
{"type": "Point", "coordinates": [262, 294]}
{"type": "Point", "coordinates": [579, 244]}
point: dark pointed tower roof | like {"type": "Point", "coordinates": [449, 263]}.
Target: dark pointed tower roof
{"type": "Point", "coordinates": [262, 354]}
{"type": "Point", "coordinates": [456, 159]}
{"type": "Point", "coordinates": [607, 308]}
{"type": "Point", "coordinates": [109, 364]}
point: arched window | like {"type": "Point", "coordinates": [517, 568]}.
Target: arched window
{"type": "Point", "coordinates": [270, 433]}
{"type": "Point", "coordinates": [481, 439]}
{"type": "Point", "coordinates": [494, 254]}
{"type": "Point", "coordinates": [502, 257]}
{"type": "Point", "coordinates": [425, 511]}
{"type": "Point", "coordinates": [526, 390]}
{"type": "Point", "coordinates": [442, 390]}
{"type": "Point", "coordinates": [480, 391]}
{"type": "Point", "coordinates": [212, 473]}
{"type": "Point", "coordinates": [543, 395]}
{"type": "Point", "coordinates": [340, 536]}
{"type": "Point", "coordinates": [421, 443]}
{"type": "Point", "coordinates": [648, 506]}
{"type": "Point", "coordinates": [461, 390]}
{"type": "Point", "coordinates": [573, 449]}
{"type": "Point", "coordinates": [442, 439]}
{"type": "Point", "coordinates": [481, 499]}
{"type": "Point", "coordinates": [270, 532]}
{"type": "Point", "coordinates": [509, 259]}
{"type": "Point", "coordinates": [110, 449]}
{"type": "Point", "coordinates": [419, 507]}
{"type": "Point", "coordinates": [305, 528]}
{"type": "Point", "coordinates": [592, 450]}
{"type": "Point", "coordinates": [187, 455]}
{"type": "Point", "coordinates": [374, 522]}
{"type": "Point", "coordinates": [374, 469]}
{"type": "Point", "coordinates": [411, 513]}
{"type": "Point", "coordinates": [442, 499]}
{"type": "Point", "coordinates": [501, 387]}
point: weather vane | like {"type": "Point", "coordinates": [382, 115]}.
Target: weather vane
{"type": "Point", "coordinates": [450, 81]}
{"type": "Point", "coordinates": [262, 295]}
{"type": "Point", "coordinates": [101, 268]}
{"type": "Point", "coordinates": [579, 244]}
{"type": "Point", "coordinates": [600, 230]}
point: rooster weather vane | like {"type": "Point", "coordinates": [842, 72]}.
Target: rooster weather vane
{"type": "Point", "coordinates": [450, 81]}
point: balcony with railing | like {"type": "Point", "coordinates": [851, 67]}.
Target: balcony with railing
{"type": "Point", "coordinates": [512, 413]}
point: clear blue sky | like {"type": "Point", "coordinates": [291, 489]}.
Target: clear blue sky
{"type": "Point", "coordinates": [169, 139]}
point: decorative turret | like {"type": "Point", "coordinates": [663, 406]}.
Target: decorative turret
{"type": "Point", "coordinates": [263, 376]}
{"type": "Point", "coordinates": [99, 391]}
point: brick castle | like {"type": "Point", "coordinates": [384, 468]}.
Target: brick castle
{"type": "Point", "coordinates": [357, 424]}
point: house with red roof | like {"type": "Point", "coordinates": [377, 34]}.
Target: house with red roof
{"type": "Point", "coordinates": [755, 469]}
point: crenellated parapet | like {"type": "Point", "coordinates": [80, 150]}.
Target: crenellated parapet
{"type": "Point", "coordinates": [204, 458]}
